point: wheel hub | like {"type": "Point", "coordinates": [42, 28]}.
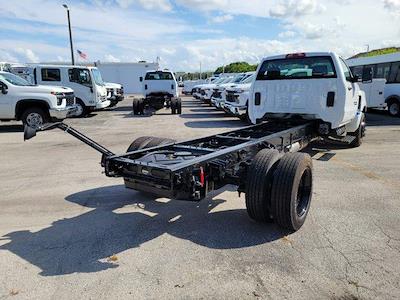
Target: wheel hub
{"type": "Point", "coordinates": [394, 108]}
{"type": "Point", "coordinates": [34, 120]}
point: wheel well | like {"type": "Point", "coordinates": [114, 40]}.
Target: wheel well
{"type": "Point", "coordinates": [392, 98]}
{"type": "Point", "coordinates": [80, 100]}
{"type": "Point", "coordinates": [23, 105]}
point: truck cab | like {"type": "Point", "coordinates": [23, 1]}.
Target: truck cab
{"type": "Point", "coordinates": [34, 105]}
{"type": "Point", "coordinates": [311, 86]}
{"type": "Point", "coordinates": [87, 83]}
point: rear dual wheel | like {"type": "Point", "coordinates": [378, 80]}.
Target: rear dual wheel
{"type": "Point", "coordinates": [279, 188]}
{"type": "Point", "coordinates": [138, 106]}
{"type": "Point", "coordinates": [176, 106]}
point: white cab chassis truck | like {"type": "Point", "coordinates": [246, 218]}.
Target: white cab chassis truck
{"type": "Point", "coordinates": [322, 89]}
{"type": "Point", "coordinates": [87, 83]}
{"type": "Point", "coordinates": [262, 160]}
{"type": "Point", "coordinates": [34, 105]}
{"type": "Point", "coordinates": [160, 90]}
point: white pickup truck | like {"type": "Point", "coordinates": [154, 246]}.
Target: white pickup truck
{"type": "Point", "coordinates": [160, 90]}
{"type": "Point", "coordinates": [323, 89]}
{"type": "Point", "coordinates": [34, 105]}
{"type": "Point", "coordinates": [115, 93]}
{"type": "Point", "coordinates": [219, 95]}
{"type": "Point", "coordinates": [237, 98]}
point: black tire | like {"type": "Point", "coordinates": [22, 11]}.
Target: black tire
{"type": "Point", "coordinates": [82, 110]}
{"type": "Point", "coordinates": [179, 106]}
{"type": "Point", "coordinates": [291, 190]}
{"type": "Point", "coordinates": [135, 106]}
{"type": "Point", "coordinates": [139, 143]}
{"type": "Point", "coordinates": [148, 142]}
{"type": "Point", "coordinates": [34, 117]}
{"type": "Point", "coordinates": [359, 133]}
{"type": "Point", "coordinates": [394, 107]}
{"type": "Point", "coordinates": [156, 141]}
{"type": "Point", "coordinates": [173, 106]}
{"type": "Point", "coordinates": [141, 106]}
{"type": "Point", "coordinates": [258, 185]}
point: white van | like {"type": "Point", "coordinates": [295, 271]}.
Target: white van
{"type": "Point", "coordinates": [87, 83]}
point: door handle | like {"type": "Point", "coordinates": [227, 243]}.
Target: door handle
{"type": "Point", "coordinates": [349, 88]}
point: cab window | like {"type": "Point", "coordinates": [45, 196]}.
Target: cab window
{"type": "Point", "coordinates": [394, 76]}
{"type": "Point", "coordinates": [346, 70]}
{"type": "Point", "coordinates": [81, 76]}
{"type": "Point", "coordinates": [382, 71]}
{"type": "Point", "coordinates": [51, 74]}
{"type": "Point", "coordinates": [159, 76]}
{"type": "Point", "coordinates": [297, 68]}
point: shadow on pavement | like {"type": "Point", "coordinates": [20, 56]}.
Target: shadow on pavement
{"type": "Point", "coordinates": [381, 118]}
{"type": "Point", "coordinates": [208, 115]}
{"type": "Point", "coordinates": [11, 128]}
{"type": "Point", "coordinates": [215, 124]}
{"type": "Point", "coordinates": [83, 243]}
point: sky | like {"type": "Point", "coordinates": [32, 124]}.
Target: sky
{"type": "Point", "coordinates": [185, 33]}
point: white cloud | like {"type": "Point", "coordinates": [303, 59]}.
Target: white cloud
{"type": "Point", "coordinates": [221, 18]}
{"type": "Point", "coordinates": [287, 34]}
{"type": "Point", "coordinates": [162, 5]}
{"type": "Point", "coordinates": [28, 54]}
{"type": "Point", "coordinates": [392, 4]}
{"type": "Point", "coordinates": [204, 5]}
{"type": "Point", "coordinates": [111, 58]}
{"type": "Point", "coordinates": [296, 8]}
{"type": "Point", "coordinates": [132, 34]}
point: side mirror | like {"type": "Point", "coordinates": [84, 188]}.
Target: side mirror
{"type": "Point", "coordinates": [4, 89]}
{"type": "Point", "coordinates": [367, 74]}
{"type": "Point", "coordinates": [140, 78]}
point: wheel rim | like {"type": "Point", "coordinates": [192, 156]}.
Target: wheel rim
{"type": "Point", "coordinates": [34, 120]}
{"type": "Point", "coordinates": [79, 109]}
{"type": "Point", "coordinates": [394, 108]}
{"type": "Point", "coordinates": [304, 194]}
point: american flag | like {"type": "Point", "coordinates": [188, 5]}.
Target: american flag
{"type": "Point", "coordinates": [81, 54]}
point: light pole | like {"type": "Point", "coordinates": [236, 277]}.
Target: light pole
{"type": "Point", "coordinates": [70, 34]}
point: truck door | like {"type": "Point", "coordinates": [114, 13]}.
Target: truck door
{"type": "Point", "coordinates": [6, 107]}
{"type": "Point", "coordinates": [80, 81]}
{"type": "Point", "coordinates": [352, 90]}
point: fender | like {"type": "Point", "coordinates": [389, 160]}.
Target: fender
{"type": "Point", "coordinates": [27, 102]}
{"type": "Point", "coordinates": [392, 97]}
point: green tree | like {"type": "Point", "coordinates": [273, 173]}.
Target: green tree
{"type": "Point", "coordinates": [236, 67]}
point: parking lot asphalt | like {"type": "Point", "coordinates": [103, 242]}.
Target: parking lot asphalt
{"type": "Point", "coordinates": [68, 232]}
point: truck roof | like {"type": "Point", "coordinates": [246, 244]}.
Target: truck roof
{"type": "Point", "coordinates": [63, 66]}
{"type": "Point", "coordinates": [294, 54]}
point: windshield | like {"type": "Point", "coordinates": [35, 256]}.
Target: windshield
{"type": "Point", "coordinates": [159, 76]}
{"type": "Point", "coordinates": [15, 80]}
{"type": "Point", "coordinates": [97, 77]}
{"type": "Point", "coordinates": [226, 80]}
{"type": "Point", "coordinates": [297, 68]}
{"type": "Point", "coordinates": [238, 78]}
{"type": "Point", "coordinates": [249, 79]}
{"type": "Point", "coordinates": [219, 80]}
